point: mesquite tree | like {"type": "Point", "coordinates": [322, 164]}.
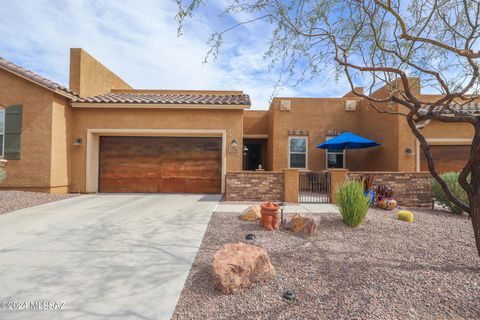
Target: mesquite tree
{"type": "Point", "coordinates": [379, 43]}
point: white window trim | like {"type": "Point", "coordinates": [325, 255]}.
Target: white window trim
{"type": "Point", "coordinates": [335, 152]}
{"type": "Point", "coordinates": [306, 151]}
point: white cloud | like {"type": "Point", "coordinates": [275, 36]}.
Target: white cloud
{"type": "Point", "coordinates": [138, 41]}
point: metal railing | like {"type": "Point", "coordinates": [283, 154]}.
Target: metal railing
{"type": "Point", "coordinates": [314, 187]}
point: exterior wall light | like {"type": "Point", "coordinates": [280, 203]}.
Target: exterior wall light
{"type": "Point", "coordinates": [78, 142]}
{"type": "Point", "coordinates": [234, 143]}
{"type": "Point", "coordinates": [409, 151]}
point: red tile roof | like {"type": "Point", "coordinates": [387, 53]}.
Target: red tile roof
{"type": "Point", "coordinates": [472, 107]}
{"type": "Point", "coordinates": [155, 98]}
{"type": "Point", "coordinates": [38, 79]}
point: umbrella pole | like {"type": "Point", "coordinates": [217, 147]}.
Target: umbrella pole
{"type": "Point", "coordinates": [345, 160]}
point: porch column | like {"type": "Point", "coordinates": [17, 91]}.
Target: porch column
{"type": "Point", "coordinates": [291, 185]}
{"type": "Point", "coordinates": [337, 178]}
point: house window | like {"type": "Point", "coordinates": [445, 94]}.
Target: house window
{"type": "Point", "coordinates": [297, 156]}
{"type": "Point", "coordinates": [2, 131]}
{"type": "Point", "coordinates": [335, 158]}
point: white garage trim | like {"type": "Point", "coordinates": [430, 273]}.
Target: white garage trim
{"type": "Point", "coordinates": [93, 147]}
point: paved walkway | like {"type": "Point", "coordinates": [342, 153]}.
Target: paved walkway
{"type": "Point", "coordinates": [103, 256]}
{"type": "Point", "coordinates": [312, 208]}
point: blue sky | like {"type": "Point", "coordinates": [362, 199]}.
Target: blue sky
{"type": "Point", "coordinates": [138, 41]}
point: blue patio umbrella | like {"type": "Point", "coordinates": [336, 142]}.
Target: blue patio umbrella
{"type": "Point", "coordinates": [347, 140]}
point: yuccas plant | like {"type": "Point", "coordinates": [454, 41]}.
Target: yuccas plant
{"type": "Point", "coordinates": [352, 203]}
{"type": "Point", "coordinates": [451, 178]}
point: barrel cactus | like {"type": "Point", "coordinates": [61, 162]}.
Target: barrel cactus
{"type": "Point", "coordinates": [404, 215]}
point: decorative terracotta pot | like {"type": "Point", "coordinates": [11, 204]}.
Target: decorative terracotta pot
{"type": "Point", "coordinates": [267, 220]}
{"type": "Point", "coordinates": [269, 212]}
{"type": "Point", "coordinates": [387, 203]}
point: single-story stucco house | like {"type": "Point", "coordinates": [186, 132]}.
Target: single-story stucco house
{"type": "Point", "coordinates": [101, 135]}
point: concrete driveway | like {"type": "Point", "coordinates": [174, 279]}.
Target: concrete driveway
{"type": "Point", "coordinates": [106, 256]}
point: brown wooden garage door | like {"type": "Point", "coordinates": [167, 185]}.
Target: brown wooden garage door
{"type": "Point", "coordinates": [160, 164]}
{"type": "Point", "coordinates": [447, 158]}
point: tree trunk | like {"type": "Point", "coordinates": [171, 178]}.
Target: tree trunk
{"type": "Point", "coordinates": [475, 217]}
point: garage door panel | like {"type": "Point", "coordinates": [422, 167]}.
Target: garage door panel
{"type": "Point", "coordinates": [190, 185]}
{"type": "Point", "coordinates": [447, 158]}
{"type": "Point", "coordinates": [160, 164]}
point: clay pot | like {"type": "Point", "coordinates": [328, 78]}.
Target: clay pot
{"type": "Point", "coordinates": [269, 212]}
{"type": "Point", "coordinates": [267, 220]}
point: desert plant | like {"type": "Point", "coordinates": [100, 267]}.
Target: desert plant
{"type": "Point", "coordinates": [3, 175]}
{"type": "Point", "coordinates": [451, 178]}
{"type": "Point", "coordinates": [352, 203]}
{"type": "Point", "coordinates": [404, 215]}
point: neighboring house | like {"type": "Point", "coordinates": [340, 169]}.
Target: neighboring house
{"type": "Point", "coordinates": [101, 135]}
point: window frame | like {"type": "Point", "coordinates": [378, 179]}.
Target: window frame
{"type": "Point", "coordinates": [335, 152]}
{"type": "Point", "coordinates": [2, 132]}
{"type": "Point", "coordinates": [306, 151]}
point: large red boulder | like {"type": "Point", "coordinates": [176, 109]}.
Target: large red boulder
{"type": "Point", "coordinates": [237, 265]}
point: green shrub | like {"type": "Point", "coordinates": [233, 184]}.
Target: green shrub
{"type": "Point", "coordinates": [3, 175]}
{"type": "Point", "coordinates": [451, 178]}
{"type": "Point", "coordinates": [404, 215]}
{"type": "Point", "coordinates": [352, 203]}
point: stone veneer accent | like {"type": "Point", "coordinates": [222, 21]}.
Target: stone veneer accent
{"type": "Point", "coordinates": [411, 189]}
{"type": "Point", "coordinates": [255, 186]}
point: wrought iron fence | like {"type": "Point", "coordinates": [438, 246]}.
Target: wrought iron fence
{"type": "Point", "coordinates": [314, 187]}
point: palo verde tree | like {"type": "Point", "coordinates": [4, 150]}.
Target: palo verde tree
{"type": "Point", "coordinates": [379, 43]}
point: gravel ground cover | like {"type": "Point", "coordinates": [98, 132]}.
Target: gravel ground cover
{"type": "Point", "coordinates": [16, 200]}
{"type": "Point", "coordinates": [384, 269]}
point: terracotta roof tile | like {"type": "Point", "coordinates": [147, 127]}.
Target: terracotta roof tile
{"type": "Point", "coordinates": [155, 98]}
{"type": "Point", "coordinates": [473, 107]}
{"type": "Point", "coordinates": [12, 67]}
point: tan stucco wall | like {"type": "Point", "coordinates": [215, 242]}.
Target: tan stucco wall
{"type": "Point", "coordinates": [88, 77]}
{"type": "Point", "coordinates": [255, 122]}
{"type": "Point", "coordinates": [314, 115]}
{"type": "Point", "coordinates": [442, 130]}
{"type": "Point", "coordinates": [61, 142]}
{"type": "Point", "coordinates": [379, 127]}
{"type": "Point", "coordinates": [229, 120]}
{"type": "Point", "coordinates": [33, 170]}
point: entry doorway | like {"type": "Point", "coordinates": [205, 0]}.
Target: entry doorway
{"type": "Point", "coordinates": [254, 153]}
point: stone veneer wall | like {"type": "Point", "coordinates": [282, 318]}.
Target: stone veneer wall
{"type": "Point", "coordinates": [411, 189]}
{"type": "Point", "coordinates": [255, 186]}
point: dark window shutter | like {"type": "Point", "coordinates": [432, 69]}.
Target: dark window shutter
{"type": "Point", "coordinates": [13, 132]}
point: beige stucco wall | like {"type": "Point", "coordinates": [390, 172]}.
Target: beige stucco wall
{"type": "Point", "coordinates": [316, 115]}
{"type": "Point", "coordinates": [32, 171]}
{"type": "Point", "coordinates": [229, 120]}
{"type": "Point", "coordinates": [61, 143]}
{"type": "Point", "coordinates": [379, 127]}
{"type": "Point", "coordinates": [255, 122]}
{"type": "Point", "coordinates": [88, 77]}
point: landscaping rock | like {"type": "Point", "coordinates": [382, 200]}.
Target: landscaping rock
{"type": "Point", "coordinates": [301, 224]}
{"type": "Point", "coordinates": [297, 223]}
{"type": "Point", "coordinates": [310, 227]}
{"type": "Point", "coordinates": [237, 265]}
{"type": "Point", "coordinates": [251, 213]}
